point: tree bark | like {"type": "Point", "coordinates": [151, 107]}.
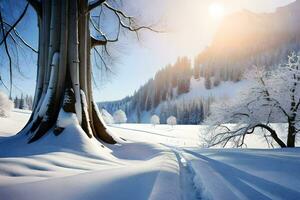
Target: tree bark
{"type": "Point", "coordinates": [64, 65]}
{"type": "Point", "coordinates": [291, 140]}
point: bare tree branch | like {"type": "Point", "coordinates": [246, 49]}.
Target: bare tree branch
{"type": "Point", "coordinates": [96, 42]}
{"type": "Point", "coordinates": [103, 61]}
{"type": "Point", "coordinates": [102, 34]}
{"type": "Point", "coordinates": [14, 25]}
{"type": "Point", "coordinates": [21, 38]}
{"type": "Point", "coordinates": [131, 21]}
{"type": "Point", "coordinates": [8, 55]}
{"type": "Point", "coordinates": [242, 132]}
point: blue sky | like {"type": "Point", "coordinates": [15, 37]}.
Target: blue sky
{"type": "Point", "coordinates": [188, 27]}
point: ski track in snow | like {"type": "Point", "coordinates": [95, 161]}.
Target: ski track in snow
{"type": "Point", "coordinates": [187, 186]}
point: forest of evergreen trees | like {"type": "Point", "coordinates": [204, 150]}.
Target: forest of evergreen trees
{"type": "Point", "coordinates": [159, 95]}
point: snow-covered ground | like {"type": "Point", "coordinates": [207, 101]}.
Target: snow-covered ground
{"type": "Point", "coordinates": [160, 162]}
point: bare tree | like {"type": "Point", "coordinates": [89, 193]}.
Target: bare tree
{"type": "Point", "coordinates": [64, 64]}
{"type": "Point", "coordinates": [273, 97]}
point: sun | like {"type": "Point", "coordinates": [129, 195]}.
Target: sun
{"type": "Point", "coordinates": [216, 10]}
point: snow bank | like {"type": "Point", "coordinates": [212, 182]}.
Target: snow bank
{"type": "Point", "coordinates": [73, 166]}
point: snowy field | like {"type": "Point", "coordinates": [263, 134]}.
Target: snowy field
{"type": "Point", "coordinates": [160, 162]}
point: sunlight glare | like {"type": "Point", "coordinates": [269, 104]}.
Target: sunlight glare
{"type": "Point", "coordinates": [216, 10]}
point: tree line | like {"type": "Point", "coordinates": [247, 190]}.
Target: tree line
{"type": "Point", "coordinates": [24, 102]}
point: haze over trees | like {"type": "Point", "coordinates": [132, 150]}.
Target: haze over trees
{"type": "Point", "coordinates": [68, 34]}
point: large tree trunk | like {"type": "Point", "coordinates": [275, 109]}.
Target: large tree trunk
{"type": "Point", "coordinates": [64, 67]}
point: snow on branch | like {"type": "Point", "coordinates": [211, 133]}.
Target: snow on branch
{"type": "Point", "coordinates": [273, 97]}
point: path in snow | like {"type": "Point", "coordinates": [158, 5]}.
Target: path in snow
{"type": "Point", "coordinates": [187, 186]}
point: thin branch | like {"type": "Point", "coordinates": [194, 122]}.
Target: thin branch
{"type": "Point", "coordinates": [103, 61]}
{"type": "Point", "coordinates": [14, 25]}
{"type": "Point", "coordinates": [21, 38]}
{"type": "Point", "coordinates": [130, 19]}
{"type": "Point", "coordinates": [102, 34]}
{"type": "Point", "coordinates": [3, 83]}
{"type": "Point", "coordinates": [268, 98]}
{"type": "Point", "coordinates": [8, 55]}
{"type": "Point", "coordinates": [17, 56]}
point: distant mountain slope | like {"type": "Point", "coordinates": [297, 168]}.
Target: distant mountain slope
{"type": "Point", "coordinates": [243, 39]}
{"type": "Point", "coordinates": [246, 38]}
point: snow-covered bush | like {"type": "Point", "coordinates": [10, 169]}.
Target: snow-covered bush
{"type": "Point", "coordinates": [6, 105]}
{"type": "Point", "coordinates": [172, 121]}
{"type": "Point", "coordinates": [108, 119]}
{"type": "Point", "coordinates": [274, 97]}
{"type": "Point", "coordinates": [120, 117]}
{"type": "Point", "coordinates": [155, 120]}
